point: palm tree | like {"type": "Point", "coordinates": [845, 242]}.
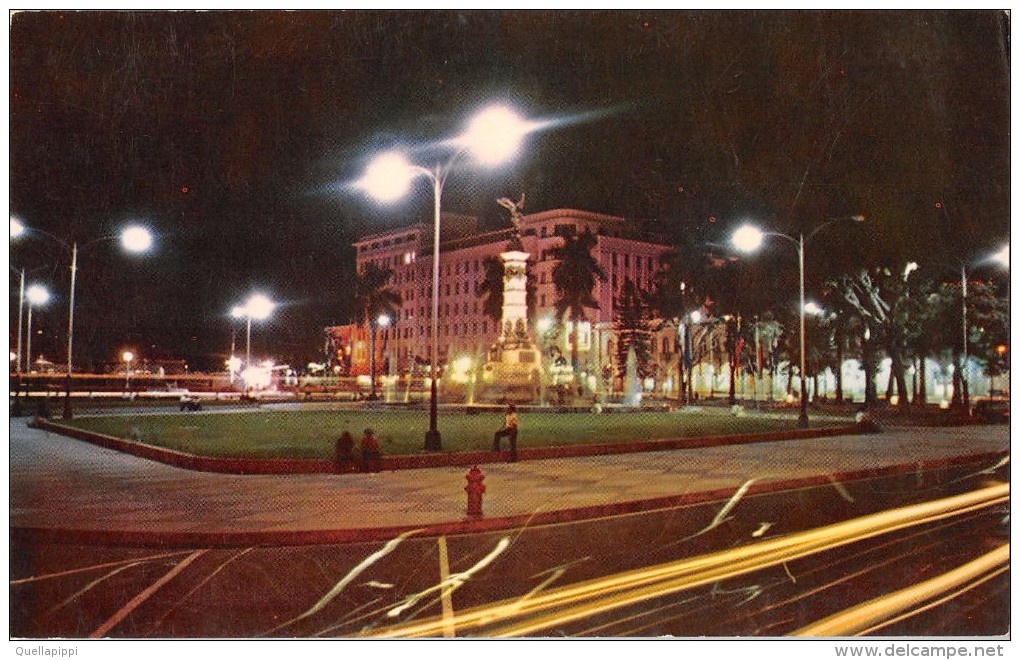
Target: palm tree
{"type": "Point", "coordinates": [633, 326]}
{"type": "Point", "coordinates": [574, 277]}
{"type": "Point", "coordinates": [372, 298]}
{"type": "Point", "coordinates": [490, 289]}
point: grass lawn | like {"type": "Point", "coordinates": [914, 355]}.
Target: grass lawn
{"type": "Point", "coordinates": [311, 433]}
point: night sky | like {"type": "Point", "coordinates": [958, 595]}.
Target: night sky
{"type": "Point", "coordinates": [233, 135]}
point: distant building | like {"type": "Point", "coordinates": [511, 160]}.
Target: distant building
{"type": "Point", "coordinates": [623, 249]}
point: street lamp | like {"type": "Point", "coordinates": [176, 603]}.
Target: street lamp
{"type": "Point", "coordinates": [135, 239]}
{"type": "Point", "coordinates": [21, 324]}
{"type": "Point", "coordinates": [383, 321]}
{"type": "Point", "coordinates": [36, 295]}
{"type": "Point", "coordinates": [492, 136]}
{"type": "Point", "coordinates": [813, 308]}
{"type": "Point", "coordinates": [1002, 256]}
{"type": "Point", "coordinates": [17, 230]}
{"type": "Point", "coordinates": [127, 356]}
{"type": "Point", "coordinates": [749, 238]}
{"type": "Point", "coordinates": [258, 307]}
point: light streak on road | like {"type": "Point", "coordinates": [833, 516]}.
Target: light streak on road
{"type": "Point", "coordinates": [91, 585]}
{"type": "Point", "coordinates": [368, 561]}
{"type": "Point", "coordinates": [841, 489]}
{"type": "Point", "coordinates": [891, 608]}
{"type": "Point", "coordinates": [97, 567]}
{"type": "Point", "coordinates": [721, 516]}
{"type": "Point", "coordinates": [452, 582]}
{"type": "Point", "coordinates": [198, 587]}
{"type": "Point", "coordinates": [143, 596]}
{"type": "Point", "coordinates": [561, 606]}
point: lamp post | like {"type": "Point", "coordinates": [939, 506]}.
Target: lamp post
{"type": "Point", "coordinates": [36, 295]}
{"type": "Point", "coordinates": [127, 356]}
{"type": "Point", "coordinates": [232, 363]}
{"type": "Point", "coordinates": [258, 307]}
{"type": "Point", "coordinates": [492, 137]}
{"type": "Point", "coordinates": [383, 321]}
{"type": "Point", "coordinates": [21, 307]}
{"type": "Point", "coordinates": [16, 410]}
{"type": "Point", "coordinates": [135, 239]}
{"type": "Point", "coordinates": [17, 229]}
{"type": "Point", "coordinates": [748, 239]}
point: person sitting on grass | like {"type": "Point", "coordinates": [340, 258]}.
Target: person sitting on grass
{"type": "Point", "coordinates": [371, 458]}
{"type": "Point", "coordinates": [509, 430]}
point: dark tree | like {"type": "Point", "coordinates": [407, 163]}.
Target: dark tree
{"type": "Point", "coordinates": [889, 303]}
{"type": "Point", "coordinates": [373, 297]}
{"type": "Point", "coordinates": [574, 277]}
{"type": "Point", "coordinates": [633, 325]}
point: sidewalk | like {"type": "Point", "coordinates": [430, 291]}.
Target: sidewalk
{"type": "Point", "coordinates": [67, 490]}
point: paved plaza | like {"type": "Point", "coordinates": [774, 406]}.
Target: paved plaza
{"type": "Point", "coordinates": [61, 486]}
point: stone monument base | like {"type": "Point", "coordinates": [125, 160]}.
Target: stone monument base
{"type": "Point", "coordinates": [513, 373]}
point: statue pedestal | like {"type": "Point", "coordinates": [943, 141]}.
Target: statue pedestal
{"type": "Point", "coordinates": [513, 371]}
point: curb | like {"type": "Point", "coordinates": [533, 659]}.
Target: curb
{"type": "Point", "coordinates": [233, 539]}
{"type": "Point", "coordinates": [199, 463]}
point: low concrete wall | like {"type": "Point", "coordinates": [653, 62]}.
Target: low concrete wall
{"type": "Point", "coordinates": [427, 460]}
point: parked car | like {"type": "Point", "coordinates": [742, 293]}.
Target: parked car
{"type": "Point", "coordinates": [190, 403]}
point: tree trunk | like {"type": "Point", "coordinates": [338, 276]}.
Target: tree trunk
{"type": "Point", "coordinates": [574, 335]}
{"type": "Point", "coordinates": [868, 364]}
{"type": "Point", "coordinates": [733, 382]}
{"type": "Point", "coordinates": [839, 372]}
{"type": "Point", "coordinates": [679, 367]}
{"type": "Point", "coordinates": [899, 375]}
{"type": "Point", "coordinates": [922, 388]}
{"type": "Point", "coordinates": [960, 400]}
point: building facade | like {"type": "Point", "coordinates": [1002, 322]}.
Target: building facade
{"type": "Point", "coordinates": [624, 252]}
{"type": "Point", "coordinates": [466, 333]}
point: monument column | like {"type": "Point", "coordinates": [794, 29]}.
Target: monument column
{"type": "Point", "coordinates": [513, 370]}
{"type": "Point", "coordinates": [513, 327]}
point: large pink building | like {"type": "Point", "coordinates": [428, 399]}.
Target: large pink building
{"type": "Point", "coordinates": [622, 248]}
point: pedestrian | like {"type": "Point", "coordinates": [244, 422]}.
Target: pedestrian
{"type": "Point", "coordinates": [509, 430]}
{"type": "Point", "coordinates": [345, 452]}
{"type": "Point", "coordinates": [371, 459]}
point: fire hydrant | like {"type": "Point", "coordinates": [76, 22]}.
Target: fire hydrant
{"type": "Point", "coordinates": [474, 490]}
